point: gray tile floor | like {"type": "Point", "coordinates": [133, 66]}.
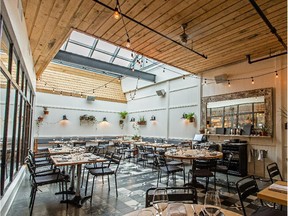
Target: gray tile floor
{"type": "Point", "coordinates": [133, 181]}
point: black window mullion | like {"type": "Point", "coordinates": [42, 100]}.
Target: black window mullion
{"type": "Point", "coordinates": [23, 132]}
{"type": "Point", "coordinates": [19, 133]}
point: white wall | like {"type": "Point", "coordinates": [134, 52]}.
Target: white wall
{"type": "Point", "coordinates": [277, 145]}
{"type": "Point", "coordinates": [73, 108]}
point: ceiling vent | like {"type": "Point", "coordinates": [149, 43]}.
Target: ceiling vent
{"type": "Point", "coordinates": [161, 92]}
{"type": "Point", "coordinates": [90, 98]}
{"type": "Point", "coordinates": [221, 78]}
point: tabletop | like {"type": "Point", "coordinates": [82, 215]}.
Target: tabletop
{"type": "Point", "coordinates": [191, 154]}
{"type": "Point", "coordinates": [60, 150]}
{"type": "Point", "coordinates": [76, 159]}
{"type": "Point", "coordinates": [273, 195]}
{"type": "Point", "coordinates": [188, 208]}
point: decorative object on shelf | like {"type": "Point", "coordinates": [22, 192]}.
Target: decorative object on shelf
{"type": "Point", "coordinates": [136, 138]}
{"type": "Point", "coordinates": [153, 118]}
{"type": "Point", "coordinates": [45, 111]}
{"type": "Point", "coordinates": [264, 130]}
{"type": "Point", "coordinates": [87, 119]}
{"type": "Point", "coordinates": [189, 116]}
{"type": "Point", "coordinates": [142, 121]}
{"type": "Point", "coordinates": [132, 119]}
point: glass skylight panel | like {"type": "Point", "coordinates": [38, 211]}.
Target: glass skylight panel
{"type": "Point", "coordinates": [121, 62]}
{"type": "Point", "coordinates": [77, 49]}
{"type": "Point", "coordinates": [101, 56]}
{"type": "Point", "coordinates": [82, 38]}
{"type": "Point", "coordinates": [125, 53]}
{"type": "Point", "coordinates": [102, 45]}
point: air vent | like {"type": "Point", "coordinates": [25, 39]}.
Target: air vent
{"type": "Point", "coordinates": [221, 78]}
{"type": "Point", "coordinates": [90, 98]}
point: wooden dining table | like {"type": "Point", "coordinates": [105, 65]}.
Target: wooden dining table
{"type": "Point", "coordinates": [188, 208]}
{"type": "Point", "coordinates": [193, 154]}
{"type": "Point", "coordinates": [76, 160]}
{"type": "Point", "coordinates": [274, 195]}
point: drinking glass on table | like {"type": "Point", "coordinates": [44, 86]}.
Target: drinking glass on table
{"type": "Point", "coordinates": [160, 200]}
{"type": "Point", "coordinates": [212, 202]}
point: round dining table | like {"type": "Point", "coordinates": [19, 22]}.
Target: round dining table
{"type": "Point", "coordinates": [189, 211]}
{"type": "Point", "coordinates": [193, 154]}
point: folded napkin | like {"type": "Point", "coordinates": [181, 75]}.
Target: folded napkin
{"type": "Point", "coordinates": [278, 188]}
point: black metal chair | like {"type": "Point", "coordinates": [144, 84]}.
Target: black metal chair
{"type": "Point", "coordinates": [105, 171]}
{"type": "Point", "coordinates": [224, 168]}
{"type": "Point", "coordinates": [273, 172]}
{"type": "Point", "coordinates": [142, 155]}
{"type": "Point", "coordinates": [168, 169]}
{"type": "Point", "coordinates": [176, 194]}
{"type": "Point", "coordinates": [203, 169]}
{"type": "Point", "coordinates": [45, 178]}
{"type": "Point", "coordinates": [248, 186]}
{"type": "Point", "coordinates": [40, 160]}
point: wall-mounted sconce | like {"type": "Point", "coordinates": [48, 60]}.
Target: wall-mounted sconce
{"type": "Point", "coordinates": [132, 119]}
{"type": "Point", "coordinates": [153, 118]}
{"type": "Point", "coordinates": [184, 116]}
{"type": "Point", "coordinates": [104, 119]}
{"type": "Point", "coordinates": [64, 118]}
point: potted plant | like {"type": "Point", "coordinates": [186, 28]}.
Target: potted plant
{"type": "Point", "coordinates": [39, 120]}
{"type": "Point", "coordinates": [123, 114]}
{"type": "Point", "coordinates": [265, 130]}
{"type": "Point", "coordinates": [141, 121]}
{"type": "Point", "coordinates": [45, 110]}
{"type": "Point", "coordinates": [87, 119]}
{"type": "Point", "coordinates": [189, 116]}
{"type": "Point", "coordinates": [136, 138]}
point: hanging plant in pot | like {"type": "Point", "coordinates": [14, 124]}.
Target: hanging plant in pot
{"type": "Point", "coordinates": [142, 121]}
{"type": "Point", "coordinates": [123, 116]}
{"type": "Point", "coordinates": [45, 111]}
{"type": "Point", "coordinates": [189, 116]}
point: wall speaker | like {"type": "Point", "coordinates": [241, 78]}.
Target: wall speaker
{"type": "Point", "coordinates": [90, 98]}
{"type": "Point", "coordinates": [221, 78]}
{"type": "Point", "coordinates": [161, 92]}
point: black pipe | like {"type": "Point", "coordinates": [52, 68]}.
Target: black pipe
{"type": "Point", "coordinates": [162, 35]}
{"type": "Point", "coordinates": [262, 59]}
{"type": "Point", "coordinates": [273, 30]}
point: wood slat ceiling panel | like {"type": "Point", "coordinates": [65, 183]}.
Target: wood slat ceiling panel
{"type": "Point", "coordinates": [59, 78]}
{"type": "Point", "coordinates": [226, 31]}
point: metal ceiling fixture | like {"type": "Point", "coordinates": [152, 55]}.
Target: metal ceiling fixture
{"type": "Point", "coordinates": [184, 37]}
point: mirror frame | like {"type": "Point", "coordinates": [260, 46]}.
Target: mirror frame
{"type": "Point", "coordinates": [268, 100]}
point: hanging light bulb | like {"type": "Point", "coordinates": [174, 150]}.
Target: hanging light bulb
{"type": "Point", "coordinates": [132, 69]}
{"type": "Point", "coordinates": [128, 44]}
{"type": "Point", "coordinates": [276, 74]}
{"type": "Point", "coordinates": [81, 95]}
{"type": "Point", "coordinates": [183, 77]}
{"type": "Point", "coordinates": [163, 70]}
{"type": "Point", "coordinates": [116, 13]}
{"type": "Point", "coordinates": [53, 90]}
{"type": "Point", "coordinates": [61, 93]}
{"type": "Point", "coordinates": [93, 90]}
{"type": "Point", "coordinates": [252, 81]}
{"type": "Point", "coordinates": [229, 85]}
{"type": "Point", "coordinates": [132, 55]}
{"type": "Point", "coordinates": [205, 82]}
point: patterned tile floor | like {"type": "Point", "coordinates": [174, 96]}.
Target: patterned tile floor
{"type": "Point", "coordinates": [133, 181]}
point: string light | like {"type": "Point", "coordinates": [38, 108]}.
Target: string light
{"type": "Point", "coordinates": [93, 91]}
{"type": "Point", "coordinates": [81, 95]}
{"type": "Point", "coordinates": [252, 81]}
{"type": "Point", "coordinates": [128, 44]}
{"type": "Point", "coordinates": [205, 82]}
{"type": "Point", "coordinates": [116, 13]}
{"type": "Point", "coordinates": [229, 83]}
{"type": "Point", "coordinates": [183, 77]}
{"type": "Point", "coordinates": [53, 90]}
{"type": "Point", "coordinates": [132, 55]}
{"type": "Point", "coordinates": [163, 70]}
{"type": "Point", "coordinates": [133, 69]}
{"type": "Point", "coordinates": [276, 75]}
{"type": "Point", "coordinates": [61, 93]}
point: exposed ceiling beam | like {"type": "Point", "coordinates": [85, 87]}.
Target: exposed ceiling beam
{"type": "Point", "coordinates": [71, 58]}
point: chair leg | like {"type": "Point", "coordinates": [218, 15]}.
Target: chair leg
{"type": "Point", "coordinates": [82, 177]}
{"type": "Point", "coordinates": [92, 189]}
{"type": "Point", "coordinates": [228, 186]}
{"type": "Point", "coordinates": [108, 182]}
{"type": "Point", "coordinates": [33, 200]}
{"type": "Point", "coordinates": [167, 179]}
{"type": "Point", "coordinates": [158, 177]}
{"type": "Point", "coordinates": [87, 183]}
{"type": "Point", "coordinates": [116, 185]}
{"type": "Point", "coordinates": [207, 182]}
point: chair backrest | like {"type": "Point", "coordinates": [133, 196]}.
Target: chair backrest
{"type": "Point", "coordinates": [116, 159]}
{"type": "Point", "coordinates": [274, 171]}
{"type": "Point", "coordinates": [177, 194]}
{"type": "Point", "coordinates": [245, 187]}
{"type": "Point", "coordinates": [205, 164]}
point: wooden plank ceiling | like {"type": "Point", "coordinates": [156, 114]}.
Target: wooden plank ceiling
{"type": "Point", "coordinates": [59, 79]}
{"type": "Point", "coordinates": [225, 31]}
